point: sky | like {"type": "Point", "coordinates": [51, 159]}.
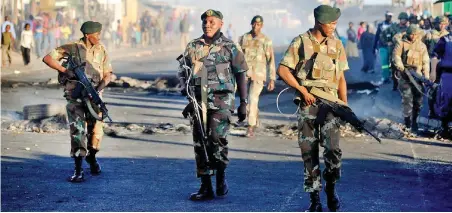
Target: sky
{"type": "Point", "coordinates": [408, 2]}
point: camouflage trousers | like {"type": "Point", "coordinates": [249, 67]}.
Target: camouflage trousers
{"type": "Point", "coordinates": [411, 97]}
{"type": "Point", "coordinates": [310, 137]}
{"type": "Point", "coordinates": [82, 126]}
{"type": "Point", "coordinates": [218, 122]}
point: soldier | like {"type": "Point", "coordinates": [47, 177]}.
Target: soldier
{"type": "Point", "coordinates": [389, 37]}
{"type": "Point", "coordinates": [383, 47]}
{"type": "Point", "coordinates": [81, 123]}
{"type": "Point", "coordinates": [318, 60]}
{"type": "Point", "coordinates": [258, 50]}
{"type": "Point", "coordinates": [431, 38]}
{"type": "Point", "coordinates": [411, 52]}
{"type": "Point", "coordinates": [442, 63]}
{"type": "Point", "coordinates": [216, 66]}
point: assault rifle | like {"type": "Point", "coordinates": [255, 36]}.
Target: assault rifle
{"type": "Point", "coordinates": [415, 79]}
{"type": "Point", "coordinates": [329, 103]}
{"type": "Point", "coordinates": [192, 111]}
{"type": "Point", "coordinates": [85, 90]}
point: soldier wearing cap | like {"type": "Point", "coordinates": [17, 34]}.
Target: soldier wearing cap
{"type": "Point", "coordinates": [81, 123]}
{"type": "Point", "coordinates": [382, 46]}
{"type": "Point", "coordinates": [217, 67]}
{"type": "Point", "coordinates": [411, 53]}
{"type": "Point", "coordinates": [431, 38]}
{"type": "Point", "coordinates": [316, 60]}
{"type": "Point", "coordinates": [389, 37]}
{"type": "Point", "coordinates": [259, 55]}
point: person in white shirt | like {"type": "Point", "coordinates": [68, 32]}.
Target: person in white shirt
{"type": "Point", "coordinates": [26, 43]}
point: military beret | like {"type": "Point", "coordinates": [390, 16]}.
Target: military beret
{"type": "Point", "coordinates": [257, 18]}
{"type": "Point", "coordinates": [90, 27]}
{"type": "Point", "coordinates": [326, 14]}
{"type": "Point", "coordinates": [441, 19]}
{"type": "Point", "coordinates": [403, 15]}
{"type": "Point", "coordinates": [413, 29]}
{"type": "Point", "coordinates": [211, 12]}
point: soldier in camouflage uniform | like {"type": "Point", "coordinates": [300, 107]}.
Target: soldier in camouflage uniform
{"type": "Point", "coordinates": [217, 66]}
{"type": "Point", "coordinates": [258, 50]}
{"type": "Point", "coordinates": [389, 37]}
{"type": "Point", "coordinates": [316, 59]}
{"type": "Point", "coordinates": [432, 38]}
{"type": "Point", "coordinates": [411, 52]}
{"type": "Point", "coordinates": [81, 123]}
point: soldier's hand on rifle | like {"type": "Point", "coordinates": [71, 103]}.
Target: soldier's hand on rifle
{"type": "Point", "coordinates": [241, 111]}
{"type": "Point", "coordinates": [309, 99]}
{"type": "Point", "coordinates": [183, 91]}
{"type": "Point", "coordinates": [188, 110]}
{"type": "Point", "coordinates": [70, 74]}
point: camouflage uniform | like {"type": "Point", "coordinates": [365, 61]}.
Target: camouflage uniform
{"type": "Point", "coordinates": [393, 34]}
{"type": "Point", "coordinates": [260, 58]}
{"type": "Point", "coordinates": [215, 65]}
{"type": "Point", "coordinates": [81, 123]}
{"type": "Point", "coordinates": [408, 53]}
{"type": "Point", "coordinates": [432, 38]}
{"type": "Point", "coordinates": [331, 61]}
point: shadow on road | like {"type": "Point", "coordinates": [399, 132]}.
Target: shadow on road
{"type": "Point", "coordinates": [163, 184]}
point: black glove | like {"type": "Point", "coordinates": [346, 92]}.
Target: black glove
{"type": "Point", "coordinates": [184, 91]}
{"type": "Point", "coordinates": [188, 110]}
{"type": "Point", "coordinates": [241, 111]}
{"type": "Point", "coordinates": [69, 74]}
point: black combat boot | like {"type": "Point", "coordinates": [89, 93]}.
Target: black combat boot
{"type": "Point", "coordinates": [333, 201]}
{"type": "Point", "coordinates": [93, 163]}
{"type": "Point", "coordinates": [316, 205]}
{"type": "Point", "coordinates": [205, 192]}
{"type": "Point", "coordinates": [78, 172]}
{"type": "Point", "coordinates": [414, 126]}
{"type": "Point", "coordinates": [408, 122]}
{"type": "Point", "coordinates": [222, 185]}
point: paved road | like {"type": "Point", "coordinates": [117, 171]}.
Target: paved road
{"type": "Point", "coordinates": [156, 173]}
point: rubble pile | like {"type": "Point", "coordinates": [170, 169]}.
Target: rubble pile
{"type": "Point", "coordinates": [53, 124]}
{"type": "Point", "coordinates": [159, 85]}
{"type": "Point", "coordinates": [383, 128]}
{"type": "Point", "coordinates": [116, 130]}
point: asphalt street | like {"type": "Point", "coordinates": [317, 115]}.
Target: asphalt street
{"type": "Point", "coordinates": [143, 172]}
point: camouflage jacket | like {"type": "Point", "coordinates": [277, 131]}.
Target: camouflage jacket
{"type": "Point", "coordinates": [389, 35]}
{"type": "Point", "coordinates": [259, 56]}
{"type": "Point", "coordinates": [413, 54]}
{"type": "Point", "coordinates": [97, 61]}
{"type": "Point", "coordinates": [220, 62]}
{"type": "Point", "coordinates": [295, 54]}
{"type": "Point", "coordinates": [432, 38]}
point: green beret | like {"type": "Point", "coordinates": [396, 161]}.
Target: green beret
{"type": "Point", "coordinates": [211, 12]}
{"type": "Point", "coordinates": [403, 15]}
{"type": "Point", "coordinates": [257, 18]}
{"type": "Point", "coordinates": [441, 19]}
{"type": "Point", "coordinates": [326, 14]}
{"type": "Point", "coordinates": [413, 29]}
{"type": "Point", "coordinates": [90, 27]}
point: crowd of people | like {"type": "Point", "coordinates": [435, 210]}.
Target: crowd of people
{"type": "Point", "coordinates": [417, 42]}
{"type": "Point", "coordinates": [39, 34]}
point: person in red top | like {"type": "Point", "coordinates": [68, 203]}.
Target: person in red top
{"type": "Point", "coordinates": [361, 29]}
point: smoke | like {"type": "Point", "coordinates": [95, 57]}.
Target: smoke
{"type": "Point", "coordinates": [283, 19]}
